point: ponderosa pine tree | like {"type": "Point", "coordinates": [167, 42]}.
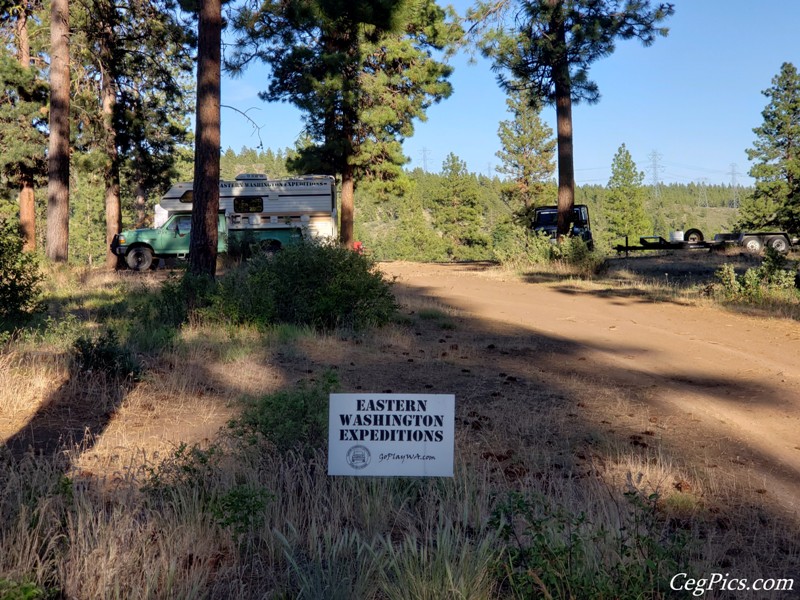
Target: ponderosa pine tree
{"type": "Point", "coordinates": [205, 203]}
{"type": "Point", "coordinates": [527, 155]}
{"type": "Point", "coordinates": [360, 71]}
{"type": "Point", "coordinates": [57, 246]}
{"type": "Point", "coordinates": [132, 59]}
{"type": "Point", "coordinates": [457, 211]}
{"type": "Point", "coordinates": [549, 50]}
{"type": "Point", "coordinates": [776, 153]}
{"type": "Point", "coordinates": [623, 207]}
{"type": "Point", "coordinates": [22, 121]}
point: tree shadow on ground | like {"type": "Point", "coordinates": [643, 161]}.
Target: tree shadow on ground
{"type": "Point", "coordinates": [528, 402]}
{"type": "Point", "coordinates": [74, 414]}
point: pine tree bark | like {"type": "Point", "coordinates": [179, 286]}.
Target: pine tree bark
{"type": "Point", "coordinates": [113, 210]}
{"type": "Point", "coordinates": [347, 220]}
{"type": "Point", "coordinates": [57, 246]}
{"type": "Point", "coordinates": [563, 94]}
{"type": "Point", "coordinates": [27, 202]}
{"type": "Point", "coordinates": [203, 245]}
{"type": "Point", "coordinates": [140, 205]}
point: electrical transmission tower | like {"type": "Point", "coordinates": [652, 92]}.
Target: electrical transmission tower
{"type": "Point", "coordinates": [655, 173]}
{"type": "Point", "coordinates": [734, 186]}
{"type": "Point", "coordinates": [424, 159]}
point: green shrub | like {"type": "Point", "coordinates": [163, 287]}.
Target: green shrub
{"type": "Point", "coordinates": [551, 552]}
{"type": "Point", "coordinates": [11, 590]}
{"type": "Point", "coordinates": [775, 275]}
{"type": "Point", "coordinates": [322, 285]}
{"type": "Point", "coordinates": [290, 419]}
{"type": "Point", "coordinates": [20, 277]}
{"type": "Point", "coordinates": [104, 354]}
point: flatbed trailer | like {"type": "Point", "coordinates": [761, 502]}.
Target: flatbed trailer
{"type": "Point", "coordinates": [753, 242]}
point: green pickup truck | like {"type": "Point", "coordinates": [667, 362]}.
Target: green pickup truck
{"type": "Point", "coordinates": [140, 247]}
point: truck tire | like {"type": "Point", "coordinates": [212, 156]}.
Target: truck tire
{"type": "Point", "coordinates": [139, 258]}
{"type": "Point", "coordinates": [693, 235]}
{"type": "Point", "coordinates": [752, 244]}
{"type": "Point", "coordinates": [778, 243]}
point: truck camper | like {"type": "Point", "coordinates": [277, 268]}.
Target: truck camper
{"type": "Point", "coordinates": [255, 211]}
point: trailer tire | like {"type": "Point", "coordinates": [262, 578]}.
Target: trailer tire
{"type": "Point", "coordinates": [752, 244]}
{"type": "Point", "coordinates": [139, 258]}
{"type": "Point", "coordinates": [779, 244]}
{"type": "Point", "coordinates": [693, 235]}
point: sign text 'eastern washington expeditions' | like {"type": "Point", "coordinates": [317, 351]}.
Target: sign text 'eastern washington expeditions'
{"type": "Point", "coordinates": [391, 420]}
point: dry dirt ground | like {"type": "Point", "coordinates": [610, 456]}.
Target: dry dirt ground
{"type": "Point", "coordinates": [720, 390]}
{"type": "Point", "coordinates": [574, 370]}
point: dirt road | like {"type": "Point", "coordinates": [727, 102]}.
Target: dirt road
{"type": "Point", "coordinates": [731, 380]}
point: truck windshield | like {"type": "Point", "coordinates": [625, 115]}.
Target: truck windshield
{"type": "Point", "coordinates": [547, 218]}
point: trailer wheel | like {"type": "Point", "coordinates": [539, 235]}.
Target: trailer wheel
{"type": "Point", "coordinates": [693, 235]}
{"type": "Point", "coordinates": [139, 258]}
{"type": "Point", "coordinates": [752, 245]}
{"type": "Point", "coordinates": [779, 244]}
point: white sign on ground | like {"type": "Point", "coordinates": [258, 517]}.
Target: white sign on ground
{"type": "Point", "coordinates": [391, 435]}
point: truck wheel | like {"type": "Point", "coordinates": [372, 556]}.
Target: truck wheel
{"type": "Point", "coordinates": [779, 244]}
{"type": "Point", "coordinates": [693, 235]}
{"type": "Point", "coordinates": [752, 245]}
{"type": "Point", "coordinates": [139, 259]}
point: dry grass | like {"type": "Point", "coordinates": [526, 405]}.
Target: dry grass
{"type": "Point", "coordinates": [134, 513]}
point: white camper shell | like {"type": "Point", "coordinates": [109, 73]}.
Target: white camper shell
{"type": "Point", "coordinates": [253, 202]}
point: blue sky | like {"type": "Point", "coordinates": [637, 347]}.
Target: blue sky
{"type": "Point", "coordinates": [693, 98]}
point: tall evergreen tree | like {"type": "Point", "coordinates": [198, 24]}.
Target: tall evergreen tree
{"type": "Point", "coordinates": [135, 92]}
{"type": "Point", "coordinates": [23, 101]}
{"type": "Point", "coordinates": [23, 160]}
{"type": "Point", "coordinates": [360, 71]}
{"type": "Point", "coordinates": [205, 205]}
{"type": "Point", "coordinates": [58, 153]}
{"type": "Point", "coordinates": [458, 212]}
{"type": "Point", "coordinates": [776, 153]}
{"type": "Point", "coordinates": [550, 51]}
{"type": "Point", "coordinates": [623, 207]}
{"type": "Point", "coordinates": [527, 155]}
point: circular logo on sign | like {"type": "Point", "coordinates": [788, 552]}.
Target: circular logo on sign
{"type": "Point", "coordinates": [358, 457]}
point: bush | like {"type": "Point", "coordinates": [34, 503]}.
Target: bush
{"type": "Point", "coordinates": [553, 553]}
{"type": "Point", "coordinates": [290, 419]}
{"type": "Point", "coordinates": [774, 276]}
{"type": "Point", "coordinates": [104, 354]}
{"type": "Point", "coordinates": [321, 285]}
{"type": "Point", "coordinates": [20, 277]}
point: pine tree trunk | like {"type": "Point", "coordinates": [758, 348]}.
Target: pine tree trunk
{"type": "Point", "coordinates": [111, 176]}
{"type": "Point", "coordinates": [140, 206]}
{"type": "Point", "coordinates": [27, 201]}
{"type": "Point", "coordinates": [566, 169]}
{"type": "Point", "coordinates": [563, 92]}
{"type": "Point", "coordinates": [58, 154]}
{"type": "Point", "coordinates": [27, 213]}
{"type": "Point", "coordinates": [348, 208]}
{"type": "Point", "coordinates": [203, 245]}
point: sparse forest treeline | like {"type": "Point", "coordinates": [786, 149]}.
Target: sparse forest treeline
{"type": "Point", "coordinates": [451, 215]}
{"type": "Point", "coordinates": [123, 123]}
